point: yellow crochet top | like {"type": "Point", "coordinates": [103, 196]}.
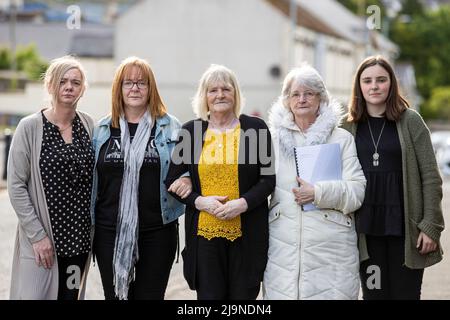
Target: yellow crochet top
{"type": "Point", "coordinates": [218, 173]}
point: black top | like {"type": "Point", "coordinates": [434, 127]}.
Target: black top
{"type": "Point", "coordinates": [110, 174]}
{"type": "Point", "coordinates": [256, 172]}
{"type": "Point", "coordinates": [66, 171]}
{"type": "Point", "coordinates": [382, 212]}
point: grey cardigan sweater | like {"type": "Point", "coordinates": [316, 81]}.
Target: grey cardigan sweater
{"type": "Point", "coordinates": [422, 188]}
{"type": "Point", "coordinates": [26, 193]}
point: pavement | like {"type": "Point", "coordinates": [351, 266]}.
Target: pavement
{"type": "Point", "coordinates": [436, 282]}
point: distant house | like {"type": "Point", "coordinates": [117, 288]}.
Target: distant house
{"type": "Point", "coordinates": [181, 38]}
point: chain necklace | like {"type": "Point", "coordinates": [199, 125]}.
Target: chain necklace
{"type": "Point", "coordinates": [376, 155]}
{"type": "Point", "coordinates": [61, 130]}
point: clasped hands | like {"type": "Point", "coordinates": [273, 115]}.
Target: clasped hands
{"type": "Point", "coordinates": [219, 207]}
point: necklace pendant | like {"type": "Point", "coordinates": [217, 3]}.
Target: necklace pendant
{"type": "Point", "coordinates": [376, 158]}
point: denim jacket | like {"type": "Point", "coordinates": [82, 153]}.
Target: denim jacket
{"type": "Point", "coordinates": [166, 133]}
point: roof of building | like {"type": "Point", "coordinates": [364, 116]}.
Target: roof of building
{"type": "Point", "coordinates": [332, 18]}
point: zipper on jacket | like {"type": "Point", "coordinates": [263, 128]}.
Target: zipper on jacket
{"type": "Point", "coordinates": [300, 250]}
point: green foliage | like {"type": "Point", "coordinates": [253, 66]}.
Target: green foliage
{"type": "Point", "coordinates": [5, 58]}
{"type": "Point", "coordinates": [424, 43]}
{"type": "Point", "coordinates": [412, 8]}
{"type": "Point", "coordinates": [359, 7]}
{"type": "Point", "coordinates": [438, 106]}
{"type": "Point", "coordinates": [27, 60]}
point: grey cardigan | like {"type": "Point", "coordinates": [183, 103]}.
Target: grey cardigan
{"type": "Point", "coordinates": [26, 193]}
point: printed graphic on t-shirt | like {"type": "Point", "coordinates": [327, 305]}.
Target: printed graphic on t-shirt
{"type": "Point", "coordinates": [114, 154]}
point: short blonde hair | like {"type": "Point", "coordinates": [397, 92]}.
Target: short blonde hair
{"type": "Point", "coordinates": [155, 104]}
{"type": "Point", "coordinates": [56, 71]}
{"type": "Point", "coordinates": [216, 73]}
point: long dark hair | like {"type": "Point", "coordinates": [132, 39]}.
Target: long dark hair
{"type": "Point", "coordinates": [395, 103]}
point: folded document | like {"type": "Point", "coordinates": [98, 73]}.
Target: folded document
{"type": "Point", "coordinates": [320, 162]}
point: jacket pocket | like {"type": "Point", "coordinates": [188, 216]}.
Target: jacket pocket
{"type": "Point", "coordinates": [338, 218]}
{"type": "Point", "coordinates": [274, 213]}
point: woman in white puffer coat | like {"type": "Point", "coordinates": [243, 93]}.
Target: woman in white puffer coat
{"type": "Point", "coordinates": [312, 254]}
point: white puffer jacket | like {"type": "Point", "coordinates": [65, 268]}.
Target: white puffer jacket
{"type": "Point", "coordinates": [313, 254]}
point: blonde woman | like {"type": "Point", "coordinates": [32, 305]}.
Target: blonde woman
{"type": "Point", "coordinates": [49, 183]}
{"type": "Point", "coordinates": [228, 157]}
{"type": "Point", "coordinates": [136, 220]}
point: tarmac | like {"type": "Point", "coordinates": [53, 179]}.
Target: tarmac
{"type": "Point", "coordinates": [436, 282]}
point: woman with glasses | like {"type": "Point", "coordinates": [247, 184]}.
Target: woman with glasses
{"type": "Point", "coordinates": [136, 220]}
{"type": "Point", "coordinates": [400, 221]}
{"type": "Point", "coordinates": [228, 156]}
{"type": "Point", "coordinates": [313, 251]}
{"type": "Point", "coordinates": [49, 184]}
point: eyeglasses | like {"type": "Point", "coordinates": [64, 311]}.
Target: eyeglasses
{"type": "Point", "coordinates": [308, 95]}
{"type": "Point", "coordinates": [128, 84]}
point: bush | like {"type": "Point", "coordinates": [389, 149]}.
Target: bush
{"type": "Point", "coordinates": [438, 106]}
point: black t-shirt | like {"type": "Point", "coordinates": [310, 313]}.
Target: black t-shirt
{"type": "Point", "coordinates": [110, 173]}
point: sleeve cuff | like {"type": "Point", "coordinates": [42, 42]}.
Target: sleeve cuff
{"type": "Point", "coordinates": [429, 230]}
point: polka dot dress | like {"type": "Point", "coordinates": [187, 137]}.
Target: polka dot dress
{"type": "Point", "coordinates": [66, 171]}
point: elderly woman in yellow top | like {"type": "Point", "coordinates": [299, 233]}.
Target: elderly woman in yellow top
{"type": "Point", "coordinates": [228, 157]}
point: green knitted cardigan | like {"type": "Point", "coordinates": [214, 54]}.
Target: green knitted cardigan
{"type": "Point", "coordinates": [422, 188]}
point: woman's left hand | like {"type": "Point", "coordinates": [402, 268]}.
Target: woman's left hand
{"type": "Point", "coordinates": [231, 209]}
{"type": "Point", "coordinates": [182, 187]}
{"type": "Point", "coordinates": [305, 193]}
{"type": "Point", "coordinates": [425, 244]}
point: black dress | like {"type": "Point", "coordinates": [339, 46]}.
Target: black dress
{"type": "Point", "coordinates": [382, 212]}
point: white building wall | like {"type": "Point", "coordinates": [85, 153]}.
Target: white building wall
{"type": "Point", "coordinates": [181, 38]}
{"type": "Point", "coordinates": [338, 60]}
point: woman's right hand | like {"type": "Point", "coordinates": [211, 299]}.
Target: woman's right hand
{"type": "Point", "coordinates": [210, 203]}
{"type": "Point", "coordinates": [182, 187]}
{"type": "Point", "coordinates": [43, 253]}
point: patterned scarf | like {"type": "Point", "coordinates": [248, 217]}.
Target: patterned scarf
{"type": "Point", "coordinates": [126, 246]}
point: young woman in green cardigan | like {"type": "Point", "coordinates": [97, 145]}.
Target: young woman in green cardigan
{"type": "Point", "coordinates": [400, 221]}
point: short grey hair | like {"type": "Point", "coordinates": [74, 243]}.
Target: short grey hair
{"type": "Point", "coordinates": [308, 77]}
{"type": "Point", "coordinates": [216, 73]}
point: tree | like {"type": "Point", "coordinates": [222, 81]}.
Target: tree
{"type": "Point", "coordinates": [5, 58]}
{"type": "Point", "coordinates": [27, 59]}
{"type": "Point", "coordinates": [439, 103]}
{"type": "Point", "coordinates": [359, 7]}
{"type": "Point", "coordinates": [412, 8]}
{"type": "Point", "coordinates": [424, 43]}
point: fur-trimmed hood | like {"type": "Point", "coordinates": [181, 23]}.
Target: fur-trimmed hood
{"type": "Point", "coordinates": [283, 127]}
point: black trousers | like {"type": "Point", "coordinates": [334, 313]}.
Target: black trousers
{"type": "Point", "coordinates": [70, 270]}
{"type": "Point", "coordinates": [394, 281]}
{"type": "Point", "coordinates": [156, 254]}
{"type": "Point", "coordinates": [220, 272]}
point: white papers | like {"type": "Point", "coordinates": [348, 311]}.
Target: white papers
{"type": "Point", "coordinates": [318, 163]}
